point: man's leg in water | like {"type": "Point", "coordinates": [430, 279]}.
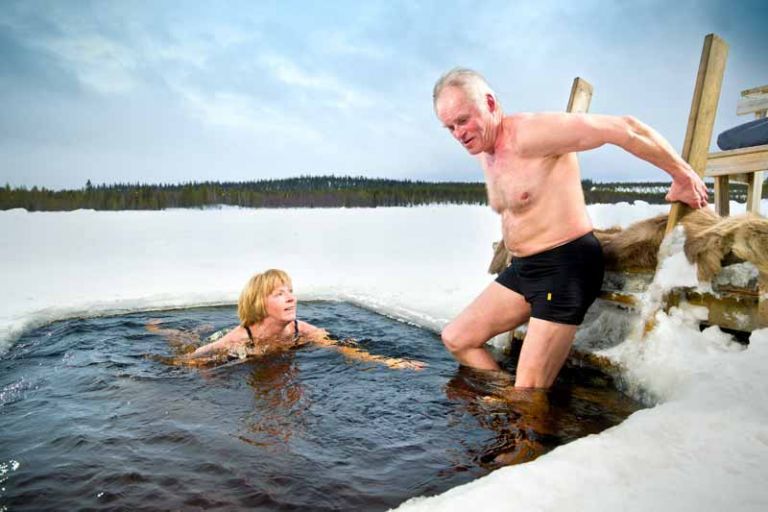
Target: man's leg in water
{"type": "Point", "coordinates": [497, 309]}
{"type": "Point", "coordinates": [544, 352]}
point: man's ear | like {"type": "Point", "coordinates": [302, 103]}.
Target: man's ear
{"type": "Point", "coordinates": [490, 101]}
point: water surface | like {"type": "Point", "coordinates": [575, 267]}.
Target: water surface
{"type": "Point", "coordinates": [88, 420]}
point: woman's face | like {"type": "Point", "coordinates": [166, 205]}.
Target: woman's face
{"type": "Point", "coordinates": [281, 304]}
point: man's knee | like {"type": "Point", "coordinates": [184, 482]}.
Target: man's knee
{"type": "Point", "coordinates": [451, 337]}
{"type": "Point", "coordinates": [457, 339]}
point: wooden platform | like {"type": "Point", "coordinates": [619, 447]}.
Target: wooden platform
{"type": "Point", "coordinates": [733, 303]}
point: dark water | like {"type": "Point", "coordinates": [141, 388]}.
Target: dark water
{"type": "Point", "coordinates": [87, 421]}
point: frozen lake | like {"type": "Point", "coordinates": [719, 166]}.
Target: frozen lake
{"type": "Point", "coordinates": [704, 446]}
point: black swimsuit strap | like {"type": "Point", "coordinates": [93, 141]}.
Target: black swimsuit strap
{"type": "Point", "coordinates": [295, 331]}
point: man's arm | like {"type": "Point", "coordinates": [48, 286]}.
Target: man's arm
{"type": "Point", "coordinates": [553, 134]}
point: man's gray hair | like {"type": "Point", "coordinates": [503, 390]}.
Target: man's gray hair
{"type": "Point", "coordinates": [470, 81]}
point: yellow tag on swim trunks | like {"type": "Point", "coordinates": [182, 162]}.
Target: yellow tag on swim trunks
{"type": "Point", "coordinates": [549, 295]}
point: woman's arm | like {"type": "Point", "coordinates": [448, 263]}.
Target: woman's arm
{"type": "Point", "coordinates": [320, 337]}
{"type": "Point", "coordinates": [181, 342]}
{"type": "Point", "coordinates": [226, 343]}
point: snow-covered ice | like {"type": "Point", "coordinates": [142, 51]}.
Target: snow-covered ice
{"type": "Point", "coordinates": [704, 446]}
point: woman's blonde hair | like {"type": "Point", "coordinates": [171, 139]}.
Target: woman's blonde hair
{"type": "Point", "coordinates": [252, 305]}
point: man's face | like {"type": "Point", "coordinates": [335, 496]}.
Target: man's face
{"type": "Point", "coordinates": [469, 123]}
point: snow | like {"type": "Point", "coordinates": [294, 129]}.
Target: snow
{"type": "Point", "coordinates": [703, 446]}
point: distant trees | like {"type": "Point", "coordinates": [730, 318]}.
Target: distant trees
{"type": "Point", "coordinates": [303, 191]}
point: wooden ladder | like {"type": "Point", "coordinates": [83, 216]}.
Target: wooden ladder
{"type": "Point", "coordinates": [745, 165]}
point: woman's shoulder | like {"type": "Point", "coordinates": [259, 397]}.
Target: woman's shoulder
{"type": "Point", "coordinates": [306, 327]}
{"type": "Point", "coordinates": [311, 332]}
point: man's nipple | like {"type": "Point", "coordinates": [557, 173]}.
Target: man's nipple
{"type": "Point", "coordinates": [524, 196]}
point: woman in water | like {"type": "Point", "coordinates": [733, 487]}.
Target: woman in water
{"type": "Point", "coordinates": [268, 324]}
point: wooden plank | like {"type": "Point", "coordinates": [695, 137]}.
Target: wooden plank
{"type": "Point", "coordinates": [581, 96]}
{"type": "Point", "coordinates": [702, 116]}
{"type": "Point", "coordinates": [738, 311]}
{"type": "Point", "coordinates": [737, 161]}
{"type": "Point", "coordinates": [754, 192]}
{"type": "Point", "coordinates": [742, 178]}
{"type": "Point", "coordinates": [763, 89]}
{"type": "Point", "coordinates": [762, 305]}
{"type": "Point", "coordinates": [752, 104]}
{"type": "Point", "coordinates": [578, 103]}
{"type": "Point", "coordinates": [722, 196]}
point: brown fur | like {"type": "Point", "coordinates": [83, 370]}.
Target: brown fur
{"type": "Point", "coordinates": [710, 241]}
{"type": "Point", "coordinates": [635, 246]}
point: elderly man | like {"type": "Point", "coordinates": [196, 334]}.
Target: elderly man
{"type": "Point", "coordinates": [533, 182]}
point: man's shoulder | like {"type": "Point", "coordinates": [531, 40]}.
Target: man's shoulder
{"type": "Point", "coordinates": [513, 120]}
{"type": "Point", "coordinates": [511, 127]}
{"type": "Point", "coordinates": [516, 122]}
{"type": "Point", "coordinates": [530, 118]}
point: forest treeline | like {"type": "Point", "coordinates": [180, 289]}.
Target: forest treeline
{"type": "Point", "coordinates": [305, 191]}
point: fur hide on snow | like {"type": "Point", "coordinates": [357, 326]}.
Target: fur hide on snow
{"type": "Point", "coordinates": [710, 241]}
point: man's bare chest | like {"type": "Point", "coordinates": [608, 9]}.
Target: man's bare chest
{"type": "Point", "coordinates": [515, 185]}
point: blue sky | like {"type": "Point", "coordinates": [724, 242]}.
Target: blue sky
{"type": "Point", "coordinates": [131, 91]}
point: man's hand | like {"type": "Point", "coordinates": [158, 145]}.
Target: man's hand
{"type": "Point", "coordinates": [688, 188]}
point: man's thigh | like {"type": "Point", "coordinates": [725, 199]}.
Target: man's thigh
{"type": "Point", "coordinates": [544, 352]}
{"type": "Point", "coordinates": [497, 309]}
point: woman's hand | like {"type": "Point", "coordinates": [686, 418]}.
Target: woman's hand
{"type": "Point", "coordinates": [405, 364]}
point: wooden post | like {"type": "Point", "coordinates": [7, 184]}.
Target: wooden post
{"type": "Point", "coordinates": [702, 116]}
{"type": "Point", "coordinates": [755, 184]}
{"type": "Point", "coordinates": [581, 96]}
{"type": "Point", "coordinates": [754, 191]}
{"type": "Point", "coordinates": [722, 196]}
{"type": "Point", "coordinates": [578, 103]}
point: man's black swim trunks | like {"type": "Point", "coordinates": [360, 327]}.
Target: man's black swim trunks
{"type": "Point", "coordinates": [560, 284]}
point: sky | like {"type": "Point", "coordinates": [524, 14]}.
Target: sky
{"type": "Point", "coordinates": [169, 92]}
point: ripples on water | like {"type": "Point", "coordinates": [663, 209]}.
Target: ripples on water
{"type": "Point", "coordinates": [87, 420]}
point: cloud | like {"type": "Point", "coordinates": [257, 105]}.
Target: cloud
{"type": "Point", "coordinates": [242, 112]}
{"type": "Point", "coordinates": [339, 86]}
{"type": "Point", "coordinates": [106, 66]}
{"type": "Point", "coordinates": [334, 92]}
